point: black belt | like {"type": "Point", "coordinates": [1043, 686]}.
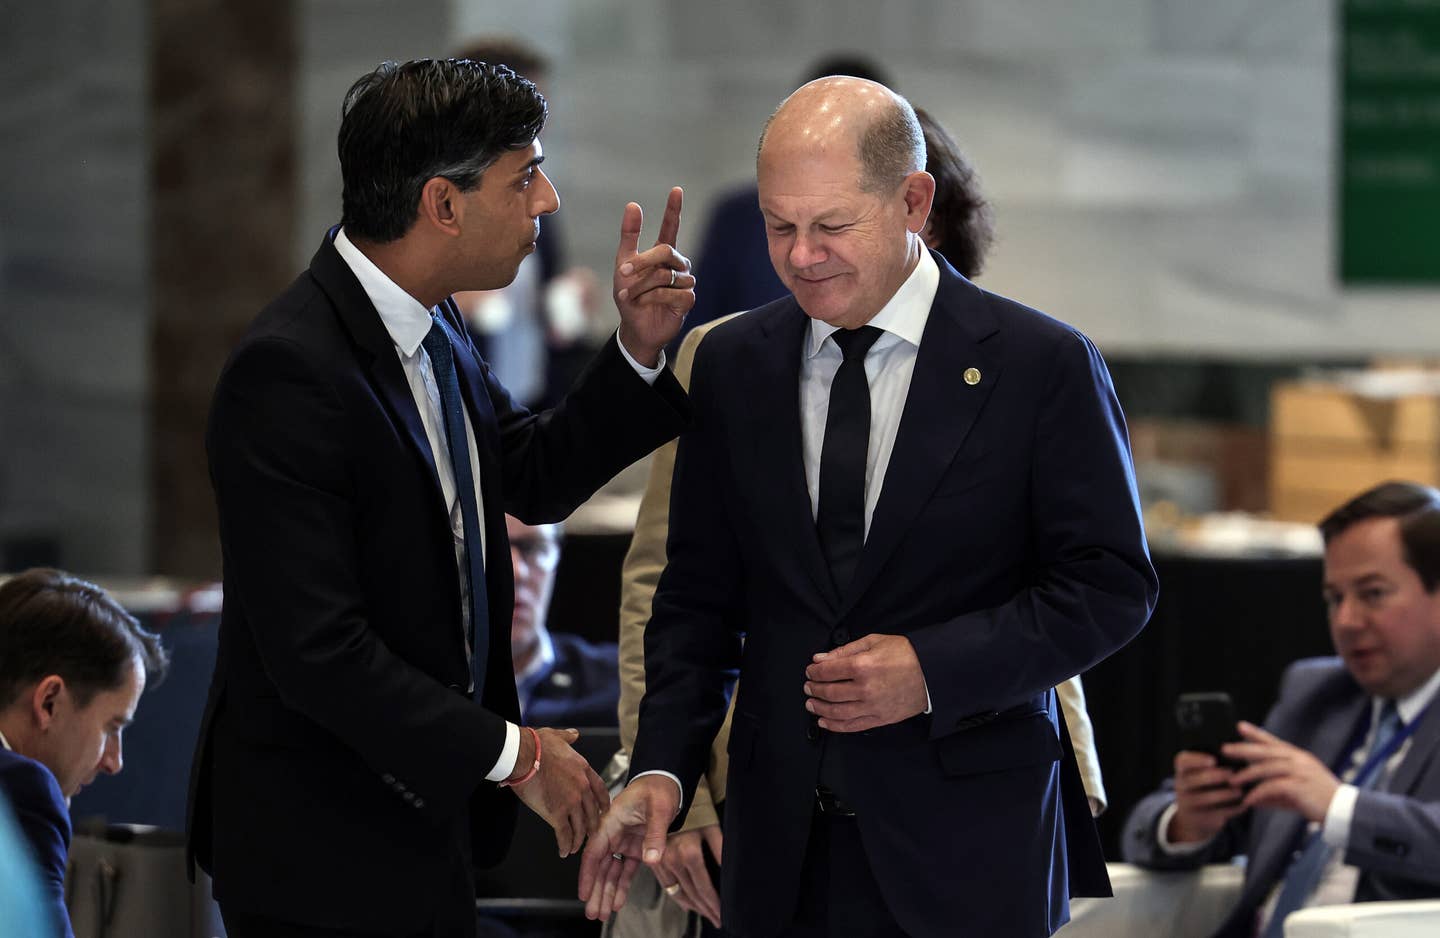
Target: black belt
{"type": "Point", "coordinates": [829, 804]}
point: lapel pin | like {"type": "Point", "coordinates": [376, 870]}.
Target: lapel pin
{"type": "Point", "coordinates": [972, 376]}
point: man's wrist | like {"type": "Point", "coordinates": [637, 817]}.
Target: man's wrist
{"type": "Point", "coordinates": [648, 362]}
{"type": "Point", "coordinates": [527, 763]}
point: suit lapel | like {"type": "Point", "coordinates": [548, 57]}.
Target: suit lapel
{"type": "Point", "coordinates": [387, 376]}
{"type": "Point", "coordinates": [779, 443]}
{"type": "Point", "coordinates": [940, 409]}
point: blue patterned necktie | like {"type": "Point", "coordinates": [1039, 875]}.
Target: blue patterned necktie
{"type": "Point", "coordinates": [442, 365]}
{"type": "Point", "coordinates": [1303, 876]}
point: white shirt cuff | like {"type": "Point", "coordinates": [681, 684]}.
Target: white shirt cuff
{"type": "Point", "coordinates": [648, 375]}
{"type": "Point", "coordinates": [509, 754]}
{"type": "Point", "coordinates": [1162, 837]}
{"type": "Point", "coordinates": [1336, 829]}
{"type": "Point", "coordinates": [680, 802]}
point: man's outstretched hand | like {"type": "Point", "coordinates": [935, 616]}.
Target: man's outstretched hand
{"type": "Point", "coordinates": [634, 829]}
{"type": "Point", "coordinates": [566, 792]}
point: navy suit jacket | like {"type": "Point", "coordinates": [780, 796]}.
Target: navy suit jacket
{"type": "Point", "coordinates": [39, 807]}
{"type": "Point", "coordinates": [1006, 544]}
{"type": "Point", "coordinates": [1393, 837]}
{"type": "Point", "coordinates": [339, 776]}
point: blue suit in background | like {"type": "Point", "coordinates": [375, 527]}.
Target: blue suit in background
{"type": "Point", "coordinates": [1392, 836]}
{"type": "Point", "coordinates": [39, 808]}
{"type": "Point", "coordinates": [1006, 544]}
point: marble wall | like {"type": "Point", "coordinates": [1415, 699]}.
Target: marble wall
{"type": "Point", "coordinates": [74, 289]}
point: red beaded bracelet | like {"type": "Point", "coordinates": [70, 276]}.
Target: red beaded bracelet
{"type": "Point", "coordinates": [533, 769]}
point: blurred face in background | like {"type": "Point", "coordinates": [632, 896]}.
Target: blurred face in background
{"type": "Point", "coordinates": [535, 555]}
{"type": "Point", "coordinates": [76, 741]}
{"type": "Point", "coordinates": [1384, 623]}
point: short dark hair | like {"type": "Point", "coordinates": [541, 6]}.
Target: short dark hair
{"type": "Point", "coordinates": [1417, 507]}
{"type": "Point", "coordinates": [54, 623]}
{"type": "Point", "coordinates": [403, 124]}
{"type": "Point", "coordinates": [961, 219]}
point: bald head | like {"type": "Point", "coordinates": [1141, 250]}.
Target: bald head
{"type": "Point", "coordinates": [831, 115]}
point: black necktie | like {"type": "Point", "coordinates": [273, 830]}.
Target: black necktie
{"type": "Point", "coordinates": [442, 365]}
{"type": "Point", "coordinates": [840, 518]}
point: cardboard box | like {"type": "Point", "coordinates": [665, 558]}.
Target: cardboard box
{"type": "Point", "coordinates": [1329, 441]}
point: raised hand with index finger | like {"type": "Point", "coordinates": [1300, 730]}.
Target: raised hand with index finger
{"type": "Point", "coordinates": [653, 289]}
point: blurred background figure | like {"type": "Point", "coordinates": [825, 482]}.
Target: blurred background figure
{"type": "Point", "coordinates": [72, 667]}
{"type": "Point", "coordinates": [535, 332]}
{"type": "Point", "coordinates": [22, 913]}
{"type": "Point", "coordinates": [733, 264]}
{"type": "Point", "coordinates": [563, 679]}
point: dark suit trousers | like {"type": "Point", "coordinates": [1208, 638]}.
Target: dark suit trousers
{"type": "Point", "coordinates": [839, 897]}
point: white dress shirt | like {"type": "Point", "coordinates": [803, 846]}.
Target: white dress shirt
{"type": "Point", "coordinates": [889, 366]}
{"type": "Point", "coordinates": [408, 322]}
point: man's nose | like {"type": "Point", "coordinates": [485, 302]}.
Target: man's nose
{"type": "Point", "coordinates": [113, 761]}
{"type": "Point", "coordinates": [806, 252]}
{"type": "Point", "coordinates": [547, 197]}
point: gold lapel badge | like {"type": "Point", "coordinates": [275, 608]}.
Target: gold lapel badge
{"type": "Point", "coordinates": [972, 376]}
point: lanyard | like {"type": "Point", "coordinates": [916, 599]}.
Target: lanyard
{"type": "Point", "coordinates": [1383, 754]}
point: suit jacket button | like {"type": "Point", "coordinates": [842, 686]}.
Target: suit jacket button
{"type": "Point", "coordinates": [841, 636]}
{"type": "Point", "coordinates": [409, 796]}
{"type": "Point", "coordinates": [455, 687]}
{"type": "Point", "coordinates": [419, 802]}
{"type": "Point", "coordinates": [388, 779]}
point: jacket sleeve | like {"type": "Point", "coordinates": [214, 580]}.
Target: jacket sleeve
{"type": "Point", "coordinates": [641, 573]}
{"type": "Point", "coordinates": [39, 808]}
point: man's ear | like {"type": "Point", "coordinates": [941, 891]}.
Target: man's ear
{"type": "Point", "coordinates": [440, 205]}
{"type": "Point", "coordinates": [44, 699]}
{"type": "Point", "coordinates": [918, 190]}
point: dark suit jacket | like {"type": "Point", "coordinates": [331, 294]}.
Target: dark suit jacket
{"type": "Point", "coordinates": [1006, 544]}
{"type": "Point", "coordinates": [580, 688]}
{"type": "Point", "coordinates": [39, 807]}
{"type": "Point", "coordinates": [339, 775]}
{"type": "Point", "coordinates": [1393, 837]}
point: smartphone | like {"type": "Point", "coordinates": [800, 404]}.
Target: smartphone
{"type": "Point", "coordinates": [1207, 721]}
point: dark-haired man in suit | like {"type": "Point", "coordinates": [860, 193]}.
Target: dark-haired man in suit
{"type": "Point", "coordinates": [72, 667]}
{"type": "Point", "coordinates": [362, 721]}
{"type": "Point", "coordinates": [919, 511]}
{"type": "Point", "coordinates": [1338, 799]}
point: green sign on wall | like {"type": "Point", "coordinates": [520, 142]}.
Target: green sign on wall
{"type": "Point", "coordinates": [1389, 174]}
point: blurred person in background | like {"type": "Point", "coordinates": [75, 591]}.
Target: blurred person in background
{"type": "Point", "coordinates": [563, 680]}
{"type": "Point", "coordinates": [1337, 798]}
{"type": "Point", "coordinates": [72, 667]}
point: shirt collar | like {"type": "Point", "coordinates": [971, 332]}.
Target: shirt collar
{"type": "Point", "coordinates": [5, 742]}
{"type": "Point", "coordinates": [1413, 704]}
{"type": "Point", "coordinates": [904, 316]}
{"type": "Point", "coordinates": [402, 315]}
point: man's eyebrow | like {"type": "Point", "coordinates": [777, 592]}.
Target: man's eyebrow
{"type": "Point", "coordinates": [530, 165]}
